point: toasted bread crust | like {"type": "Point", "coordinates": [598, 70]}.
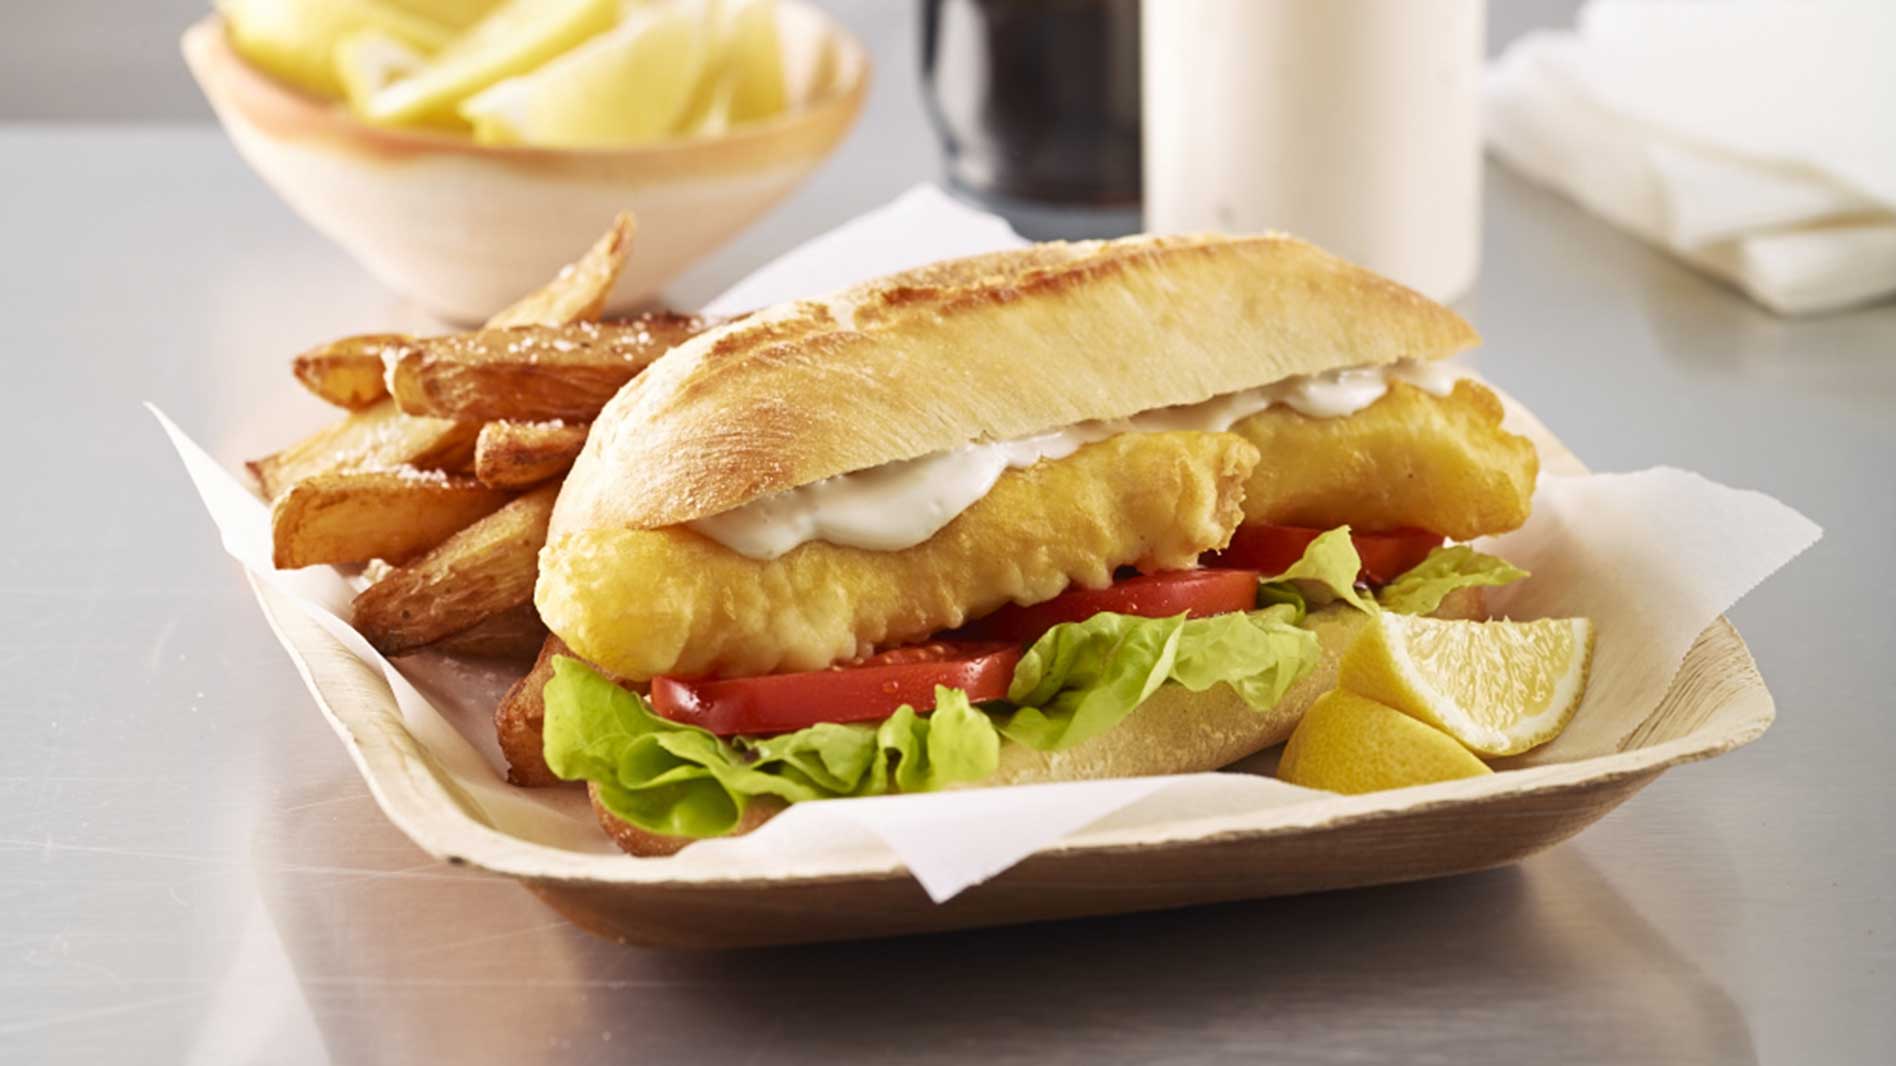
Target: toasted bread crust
{"type": "Point", "coordinates": [994, 347]}
{"type": "Point", "coordinates": [520, 722]}
{"type": "Point", "coordinates": [1174, 732]}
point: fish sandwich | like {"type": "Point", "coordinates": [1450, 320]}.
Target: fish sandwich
{"type": "Point", "coordinates": [1073, 511]}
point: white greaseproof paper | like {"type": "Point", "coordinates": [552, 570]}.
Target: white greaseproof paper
{"type": "Point", "coordinates": [1653, 557]}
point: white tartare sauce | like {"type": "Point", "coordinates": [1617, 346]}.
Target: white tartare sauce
{"type": "Point", "coordinates": [899, 505]}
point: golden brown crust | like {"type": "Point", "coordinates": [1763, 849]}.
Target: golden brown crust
{"type": "Point", "coordinates": [995, 347]}
{"type": "Point", "coordinates": [530, 373]}
{"type": "Point", "coordinates": [1411, 460]}
{"type": "Point", "coordinates": [1174, 732]}
{"type": "Point", "coordinates": [514, 634]}
{"type": "Point", "coordinates": [482, 570]}
{"type": "Point", "coordinates": [520, 722]}
{"type": "Point", "coordinates": [378, 437]}
{"type": "Point", "coordinates": [578, 292]}
{"type": "Point", "coordinates": [668, 601]}
{"type": "Point", "coordinates": [520, 719]}
{"type": "Point", "coordinates": [347, 372]}
{"type": "Point", "coordinates": [516, 455]}
{"type": "Point", "coordinates": [373, 514]}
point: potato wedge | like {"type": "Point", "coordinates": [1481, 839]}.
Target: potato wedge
{"type": "Point", "coordinates": [382, 514]}
{"type": "Point", "coordinates": [516, 633]}
{"type": "Point", "coordinates": [521, 718]}
{"type": "Point", "coordinates": [516, 455]}
{"type": "Point", "coordinates": [349, 372]}
{"type": "Point", "coordinates": [578, 292]}
{"type": "Point", "coordinates": [477, 573]}
{"type": "Point", "coordinates": [533, 373]}
{"type": "Point", "coordinates": [375, 438]}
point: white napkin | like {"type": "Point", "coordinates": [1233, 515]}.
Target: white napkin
{"type": "Point", "coordinates": [1756, 139]}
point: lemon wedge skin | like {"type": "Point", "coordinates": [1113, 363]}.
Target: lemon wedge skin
{"type": "Point", "coordinates": [1347, 743]}
{"type": "Point", "coordinates": [294, 41]}
{"type": "Point", "coordinates": [627, 86]}
{"type": "Point", "coordinates": [1499, 687]}
{"type": "Point", "coordinates": [515, 38]}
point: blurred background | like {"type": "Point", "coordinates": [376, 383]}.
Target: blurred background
{"type": "Point", "coordinates": [94, 60]}
{"type": "Point", "coordinates": [1357, 124]}
{"type": "Point", "coordinates": [1030, 110]}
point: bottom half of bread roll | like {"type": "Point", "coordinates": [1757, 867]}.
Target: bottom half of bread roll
{"type": "Point", "coordinates": [1174, 731]}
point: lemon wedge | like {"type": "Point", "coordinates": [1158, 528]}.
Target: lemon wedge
{"type": "Point", "coordinates": [745, 78]}
{"type": "Point", "coordinates": [515, 38]}
{"type": "Point", "coordinates": [708, 113]}
{"type": "Point", "coordinates": [369, 61]}
{"type": "Point", "coordinates": [623, 87]}
{"type": "Point", "coordinates": [295, 41]}
{"type": "Point", "coordinates": [459, 14]}
{"type": "Point", "coordinates": [1346, 743]}
{"type": "Point", "coordinates": [1499, 688]}
{"type": "Point", "coordinates": [752, 50]}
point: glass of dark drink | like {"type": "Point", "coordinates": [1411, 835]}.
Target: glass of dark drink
{"type": "Point", "coordinates": [1037, 105]}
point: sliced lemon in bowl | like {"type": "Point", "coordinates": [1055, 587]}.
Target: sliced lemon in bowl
{"type": "Point", "coordinates": [1351, 744]}
{"type": "Point", "coordinates": [742, 78]}
{"type": "Point", "coordinates": [515, 38]}
{"type": "Point", "coordinates": [708, 112]}
{"type": "Point", "coordinates": [752, 48]}
{"type": "Point", "coordinates": [1498, 687]}
{"type": "Point", "coordinates": [626, 86]}
{"type": "Point", "coordinates": [295, 41]}
{"type": "Point", "coordinates": [459, 14]}
{"type": "Point", "coordinates": [369, 61]}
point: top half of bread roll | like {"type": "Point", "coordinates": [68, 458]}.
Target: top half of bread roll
{"type": "Point", "coordinates": [993, 347]}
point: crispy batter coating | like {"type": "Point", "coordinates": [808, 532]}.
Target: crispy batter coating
{"type": "Point", "coordinates": [1411, 460]}
{"type": "Point", "coordinates": [641, 603]}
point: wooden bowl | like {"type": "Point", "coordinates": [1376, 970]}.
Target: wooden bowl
{"type": "Point", "coordinates": [465, 229]}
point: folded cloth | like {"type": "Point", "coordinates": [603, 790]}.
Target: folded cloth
{"type": "Point", "coordinates": [1755, 139]}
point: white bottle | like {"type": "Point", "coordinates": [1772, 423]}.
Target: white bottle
{"type": "Point", "coordinates": [1354, 124]}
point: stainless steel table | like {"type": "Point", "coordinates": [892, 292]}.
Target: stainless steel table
{"type": "Point", "coordinates": [192, 871]}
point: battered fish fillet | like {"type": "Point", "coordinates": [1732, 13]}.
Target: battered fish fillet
{"type": "Point", "coordinates": [1411, 460]}
{"type": "Point", "coordinates": [641, 603]}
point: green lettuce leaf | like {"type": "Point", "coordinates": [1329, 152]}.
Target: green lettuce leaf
{"type": "Point", "coordinates": [1082, 678]}
{"type": "Point", "coordinates": [674, 778]}
{"type": "Point", "coordinates": [1326, 572]}
{"type": "Point", "coordinates": [1283, 594]}
{"type": "Point", "coordinates": [904, 752]}
{"type": "Point", "coordinates": [1260, 654]}
{"type": "Point", "coordinates": [1077, 681]}
{"type": "Point", "coordinates": [660, 775]}
{"type": "Point", "coordinates": [1422, 589]}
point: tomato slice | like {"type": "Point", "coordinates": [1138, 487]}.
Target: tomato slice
{"type": "Point", "coordinates": [1195, 592]}
{"type": "Point", "coordinates": [870, 690]}
{"type": "Point", "coordinates": [1274, 549]}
